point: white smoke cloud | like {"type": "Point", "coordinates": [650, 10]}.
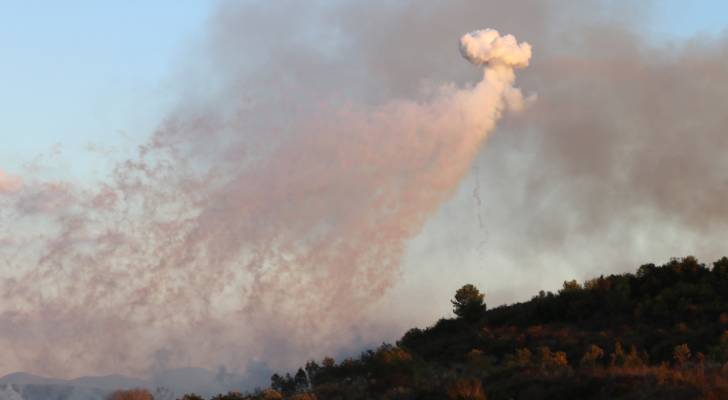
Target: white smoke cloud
{"type": "Point", "coordinates": [488, 47]}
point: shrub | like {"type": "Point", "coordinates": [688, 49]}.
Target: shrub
{"type": "Point", "coordinates": [592, 356]}
{"type": "Point", "coordinates": [681, 354]}
{"type": "Point", "coordinates": [133, 394]}
{"type": "Point", "coordinates": [466, 389]}
{"type": "Point", "coordinates": [468, 303]}
{"type": "Point", "coordinates": [191, 396]}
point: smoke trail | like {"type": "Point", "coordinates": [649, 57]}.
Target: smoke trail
{"type": "Point", "coordinates": [201, 245]}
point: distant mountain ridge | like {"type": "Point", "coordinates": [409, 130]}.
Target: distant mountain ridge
{"type": "Point", "coordinates": [25, 378]}
{"type": "Point", "coordinates": [166, 385]}
{"type": "Point", "coordinates": [110, 382]}
{"type": "Point", "coordinates": [27, 386]}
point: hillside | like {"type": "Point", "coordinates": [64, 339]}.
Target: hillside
{"type": "Point", "coordinates": [660, 333]}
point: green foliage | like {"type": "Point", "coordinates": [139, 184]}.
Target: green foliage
{"type": "Point", "coordinates": [479, 363]}
{"type": "Point", "coordinates": [468, 303]}
{"type": "Point", "coordinates": [570, 286]}
{"type": "Point", "coordinates": [465, 389]}
{"type": "Point", "coordinates": [681, 354]}
{"type": "Point", "coordinates": [661, 333]}
{"type": "Point", "coordinates": [523, 358]}
{"type": "Point", "coordinates": [191, 396]}
{"type": "Point", "coordinates": [592, 356]}
{"type": "Point", "coordinates": [633, 359]}
{"type": "Point", "coordinates": [549, 361]}
{"type": "Point", "coordinates": [722, 354]}
{"type": "Point", "coordinates": [286, 385]}
{"type": "Point", "coordinates": [300, 381]}
{"type": "Point", "coordinates": [132, 394]}
{"type": "Point", "coordinates": [270, 395]}
{"type": "Point", "coordinates": [233, 396]}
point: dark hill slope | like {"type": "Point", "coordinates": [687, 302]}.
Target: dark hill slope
{"type": "Point", "coordinates": [661, 333]}
{"type": "Point", "coordinates": [656, 309]}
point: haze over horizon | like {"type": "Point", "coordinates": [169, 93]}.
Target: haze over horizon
{"type": "Point", "coordinates": [262, 184]}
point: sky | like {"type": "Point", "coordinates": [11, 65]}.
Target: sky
{"type": "Point", "coordinates": [84, 72]}
{"type": "Point", "coordinates": [305, 180]}
{"type": "Point", "coordinates": [680, 19]}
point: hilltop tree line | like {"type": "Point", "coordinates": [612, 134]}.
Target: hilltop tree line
{"type": "Point", "coordinates": [660, 333]}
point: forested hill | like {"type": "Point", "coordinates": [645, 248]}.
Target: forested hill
{"type": "Point", "coordinates": [660, 333]}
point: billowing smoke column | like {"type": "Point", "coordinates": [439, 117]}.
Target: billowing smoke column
{"type": "Point", "coordinates": [500, 55]}
{"type": "Point", "coordinates": [271, 256]}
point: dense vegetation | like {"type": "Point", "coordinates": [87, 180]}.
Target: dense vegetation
{"type": "Point", "coordinates": [661, 333]}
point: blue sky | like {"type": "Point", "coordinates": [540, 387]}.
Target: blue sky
{"type": "Point", "coordinates": [687, 18]}
{"type": "Point", "coordinates": [83, 71]}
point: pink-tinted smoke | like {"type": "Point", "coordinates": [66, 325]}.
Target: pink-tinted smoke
{"type": "Point", "coordinates": [9, 183]}
{"type": "Point", "coordinates": [181, 260]}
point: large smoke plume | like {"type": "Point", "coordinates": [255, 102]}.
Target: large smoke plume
{"type": "Point", "coordinates": [181, 259]}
